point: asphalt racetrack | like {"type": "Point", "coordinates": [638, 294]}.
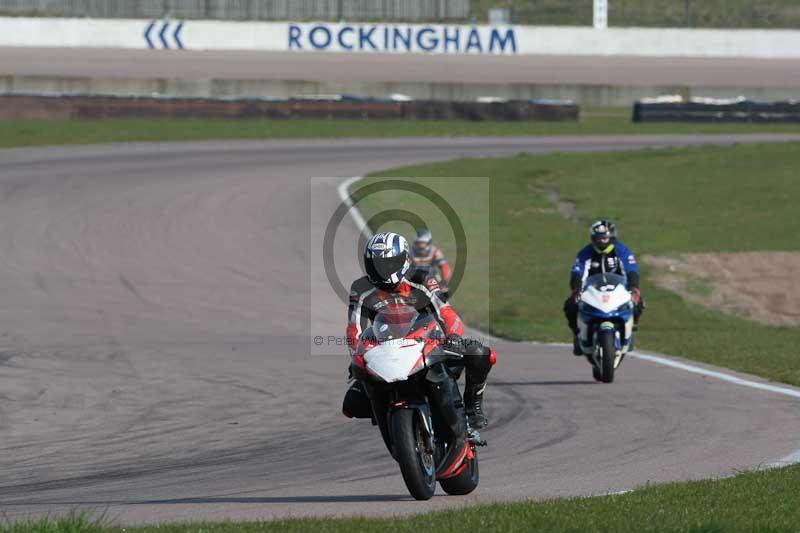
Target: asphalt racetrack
{"type": "Point", "coordinates": [321, 66]}
{"type": "Point", "coordinates": [156, 361]}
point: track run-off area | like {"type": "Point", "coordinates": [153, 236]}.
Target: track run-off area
{"type": "Point", "coordinates": [156, 361]}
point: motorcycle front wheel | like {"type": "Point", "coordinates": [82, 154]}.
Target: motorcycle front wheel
{"type": "Point", "coordinates": [412, 453]}
{"type": "Point", "coordinates": [605, 341]}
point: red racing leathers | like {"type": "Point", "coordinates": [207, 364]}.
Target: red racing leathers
{"type": "Point", "coordinates": [366, 300]}
{"type": "Point", "coordinates": [433, 258]}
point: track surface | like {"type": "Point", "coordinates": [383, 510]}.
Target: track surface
{"type": "Point", "coordinates": [317, 66]}
{"type": "Point", "coordinates": [154, 348]}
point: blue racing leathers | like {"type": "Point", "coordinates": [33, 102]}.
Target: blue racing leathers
{"type": "Point", "coordinates": [617, 258]}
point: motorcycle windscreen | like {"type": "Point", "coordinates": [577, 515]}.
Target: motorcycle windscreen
{"type": "Point", "coordinates": [604, 281]}
{"type": "Point", "coordinates": [394, 322]}
{"type": "Point", "coordinates": [395, 360]}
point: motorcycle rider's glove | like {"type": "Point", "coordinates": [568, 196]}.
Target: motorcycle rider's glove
{"type": "Point", "coordinates": [454, 342]}
{"type": "Point", "coordinates": [636, 296]}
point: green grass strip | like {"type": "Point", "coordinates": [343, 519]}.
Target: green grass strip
{"type": "Point", "coordinates": [763, 501]}
{"type": "Point", "coordinates": [593, 121]}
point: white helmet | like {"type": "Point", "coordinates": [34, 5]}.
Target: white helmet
{"type": "Point", "coordinates": [386, 259]}
{"type": "Point", "coordinates": [422, 241]}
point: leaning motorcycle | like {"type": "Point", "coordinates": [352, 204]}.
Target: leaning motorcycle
{"type": "Point", "coordinates": [411, 376]}
{"type": "Point", "coordinates": [605, 323]}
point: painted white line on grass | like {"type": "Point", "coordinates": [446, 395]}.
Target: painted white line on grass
{"type": "Point", "coordinates": [616, 492]}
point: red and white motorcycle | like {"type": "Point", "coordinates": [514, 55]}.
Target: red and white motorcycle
{"type": "Point", "coordinates": [411, 379]}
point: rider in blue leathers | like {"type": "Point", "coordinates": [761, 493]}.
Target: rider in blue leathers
{"type": "Point", "coordinates": [604, 254]}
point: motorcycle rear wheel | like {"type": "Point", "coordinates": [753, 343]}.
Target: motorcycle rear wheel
{"type": "Point", "coordinates": [416, 461]}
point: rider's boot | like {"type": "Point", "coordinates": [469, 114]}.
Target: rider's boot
{"type": "Point", "coordinates": [473, 402]}
{"type": "Point", "coordinates": [576, 345]}
{"type": "Point", "coordinates": [576, 342]}
{"type": "Point", "coordinates": [356, 403]}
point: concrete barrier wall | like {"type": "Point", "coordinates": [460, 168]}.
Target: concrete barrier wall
{"type": "Point", "coordinates": [587, 95]}
{"type": "Point", "coordinates": [23, 106]}
{"type": "Point", "coordinates": [397, 38]}
{"type": "Point", "coordinates": [716, 111]}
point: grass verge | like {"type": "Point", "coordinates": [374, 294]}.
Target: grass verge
{"type": "Point", "coordinates": [593, 121]}
{"type": "Point", "coordinates": [754, 501]}
{"type": "Point", "coordinates": [715, 199]}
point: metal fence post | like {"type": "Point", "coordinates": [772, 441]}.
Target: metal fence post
{"type": "Point", "coordinates": [688, 13]}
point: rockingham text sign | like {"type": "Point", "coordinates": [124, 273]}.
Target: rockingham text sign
{"type": "Point", "coordinates": [396, 38]}
{"type": "Point", "coordinates": [402, 38]}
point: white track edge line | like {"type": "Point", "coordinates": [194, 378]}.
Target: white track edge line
{"type": "Point", "coordinates": [344, 194]}
{"type": "Point", "coordinates": [718, 375]}
{"type": "Point", "coordinates": [790, 459]}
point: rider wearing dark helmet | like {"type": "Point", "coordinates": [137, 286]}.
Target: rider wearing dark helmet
{"type": "Point", "coordinates": [603, 254]}
{"type": "Point", "coordinates": [388, 266]}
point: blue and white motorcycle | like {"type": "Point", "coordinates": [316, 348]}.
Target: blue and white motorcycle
{"type": "Point", "coordinates": [605, 322]}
